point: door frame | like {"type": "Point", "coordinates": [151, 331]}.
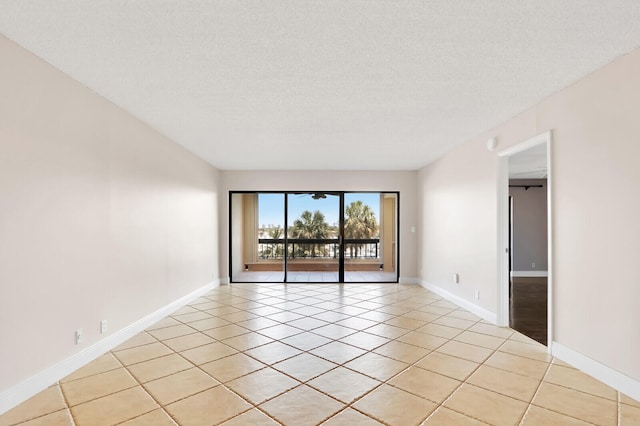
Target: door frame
{"type": "Point", "coordinates": [503, 254]}
{"type": "Point", "coordinates": [341, 193]}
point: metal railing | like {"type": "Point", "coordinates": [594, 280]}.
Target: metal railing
{"type": "Point", "coordinates": [318, 248]}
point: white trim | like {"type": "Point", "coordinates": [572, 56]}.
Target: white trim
{"type": "Point", "coordinates": [517, 274]}
{"type": "Point", "coordinates": [621, 382]}
{"type": "Point", "coordinates": [529, 143]}
{"type": "Point", "coordinates": [503, 254]}
{"type": "Point", "coordinates": [463, 303]}
{"type": "Point", "coordinates": [550, 231]}
{"type": "Point", "coordinates": [24, 390]}
{"type": "Point", "coordinates": [503, 229]}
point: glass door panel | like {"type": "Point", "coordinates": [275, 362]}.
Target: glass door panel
{"type": "Point", "coordinates": [313, 237]}
{"type": "Point", "coordinates": [370, 226]}
{"type": "Point", "coordinates": [257, 243]}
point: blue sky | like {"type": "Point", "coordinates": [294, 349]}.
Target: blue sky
{"type": "Point", "coordinates": [271, 206]}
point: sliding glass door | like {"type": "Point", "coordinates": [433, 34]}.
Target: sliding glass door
{"type": "Point", "coordinates": [257, 224]}
{"type": "Point", "coordinates": [313, 237]}
{"type": "Point", "coordinates": [369, 236]}
{"type": "Point", "coordinates": [335, 236]}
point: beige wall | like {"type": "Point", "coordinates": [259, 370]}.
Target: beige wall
{"type": "Point", "coordinates": [100, 217]}
{"type": "Point", "coordinates": [596, 206]}
{"type": "Point", "coordinates": [405, 182]}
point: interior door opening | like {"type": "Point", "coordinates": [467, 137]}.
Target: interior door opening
{"type": "Point", "coordinates": [528, 272]}
{"type": "Point", "coordinates": [312, 236]}
{"type": "Point", "coordinates": [525, 257]}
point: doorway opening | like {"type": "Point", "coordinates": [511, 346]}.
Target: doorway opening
{"type": "Point", "coordinates": [313, 236]}
{"type": "Point", "coordinates": [525, 267]}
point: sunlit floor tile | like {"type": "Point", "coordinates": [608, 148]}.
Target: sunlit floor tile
{"type": "Point", "coordinates": [157, 417]}
{"type": "Point", "coordinates": [305, 366]}
{"type": "Point", "coordinates": [487, 406]}
{"type": "Point", "coordinates": [576, 379]}
{"type": "Point", "coordinates": [180, 385]}
{"type": "Point", "coordinates": [48, 401]}
{"type": "Point", "coordinates": [252, 417]}
{"type": "Point", "coordinates": [197, 410]}
{"type": "Point", "coordinates": [159, 367]}
{"type": "Point", "coordinates": [58, 418]}
{"type": "Point", "coordinates": [130, 403]}
{"type": "Point", "coordinates": [302, 406]}
{"type": "Point", "coordinates": [394, 406]}
{"type": "Point", "coordinates": [402, 352]}
{"type": "Point", "coordinates": [351, 417]}
{"type": "Point", "coordinates": [446, 417]}
{"type": "Point", "coordinates": [629, 415]}
{"type": "Point", "coordinates": [576, 404]}
{"type": "Point", "coordinates": [306, 341]}
{"type": "Point", "coordinates": [518, 364]}
{"type": "Point", "coordinates": [232, 367]}
{"type": "Point", "coordinates": [273, 352]}
{"type": "Point", "coordinates": [504, 382]}
{"type": "Point", "coordinates": [376, 366]}
{"type": "Point", "coordinates": [540, 416]}
{"type": "Point", "coordinates": [338, 352]}
{"type": "Point", "coordinates": [465, 351]}
{"type": "Point", "coordinates": [96, 386]}
{"type": "Point", "coordinates": [343, 384]}
{"type": "Point", "coordinates": [425, 384]}
{"type": "Point", "coordinates": [364, 340]}
{"type": "Point", "coordinates": [142, 353]}
{"type": "Point", "coordinates": [104, 363]}
{"type": "Point", "coordinates": [262, 385]}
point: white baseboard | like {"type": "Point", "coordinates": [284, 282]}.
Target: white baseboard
{"type": "Point", "coordinates": [463, 303]}
{"type": "Point", "coordinates": [606, 375]}
{"type": "Point", "coordinates": [408, 280]}
{"type": "Point", "coordinates": [518, 274]}
{"type": "Point", "coordinates": [24, 390]}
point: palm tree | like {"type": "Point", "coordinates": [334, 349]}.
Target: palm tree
{"type": "Point", "coordinates": [360, 223]}
{"type": "Point", "coordinates": [276, 248]}
{"type": "Point", "coordinates": [310, 226]}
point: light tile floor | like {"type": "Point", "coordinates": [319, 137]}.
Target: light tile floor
{"type": "Point", "coordinates": [307, 354]}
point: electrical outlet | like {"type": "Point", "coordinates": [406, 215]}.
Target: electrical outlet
{"type": "Point", "coordinates": [477, 294]}
{"type": "Point", "coordinates": [79, 336]}
{"type": "Point", "coordinates": [104, 326]}
{"type": "Point", "coordinates": [533, 265]}
{"type": "Point", "coordinates": [456, 278]}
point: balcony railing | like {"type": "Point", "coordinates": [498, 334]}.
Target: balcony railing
{"type": "Point", "coordinates": [320, 248]}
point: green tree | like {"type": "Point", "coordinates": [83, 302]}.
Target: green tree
{"type": "Point", "coordinates": [359, 223]}
{"type": "Point", "coordinates": [310, 226]}
{"type": "Point", "coordinates": [276, 234]}
{"type": "Point", "coordinates": [275, 249]}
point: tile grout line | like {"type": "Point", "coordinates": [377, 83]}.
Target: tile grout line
{"type": "Point", "coordinates": [465, 381]}
{"type": "Point", "coordinates": [305, 383]}
{"type": "Point", "coordinates": [397, 306]}
{"type": "Point", "coordinates": [66, 408]}
{"type": "Point", "coordinates": [200, 392]}
{"type": "Point", "coordinates": [542, 380]}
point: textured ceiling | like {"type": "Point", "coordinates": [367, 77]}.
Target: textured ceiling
{"type": "Point", "coordinates": [333, 84]}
